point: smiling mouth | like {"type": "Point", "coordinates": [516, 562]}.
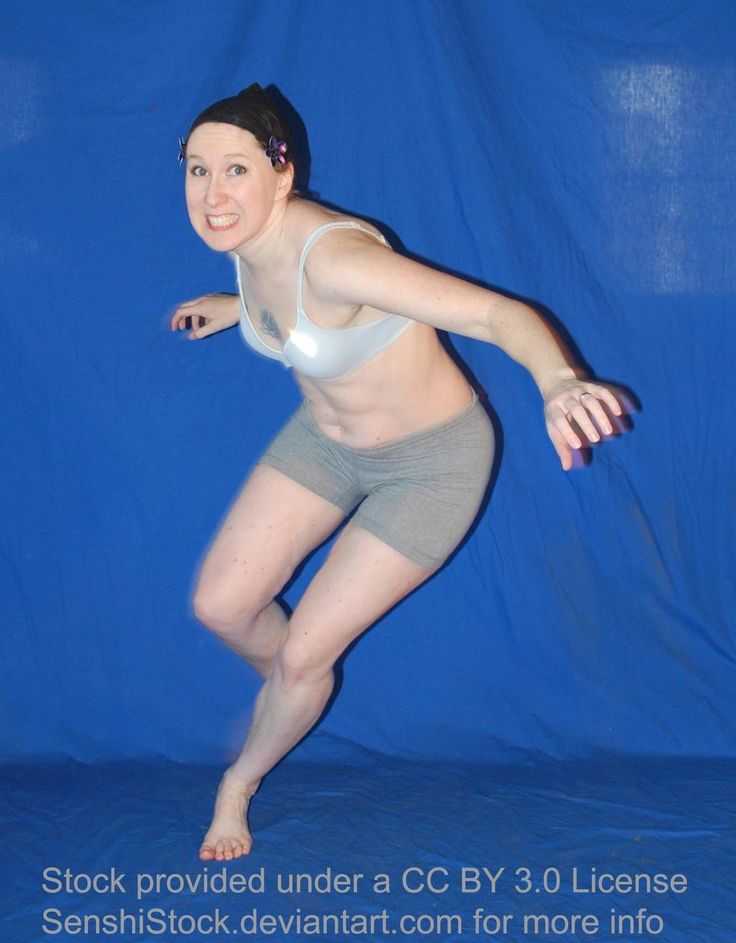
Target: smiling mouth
{"type": "Point", "coordinates": [222, 222]}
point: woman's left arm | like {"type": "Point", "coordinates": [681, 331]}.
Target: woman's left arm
{"type": "Point", "coordinates": [358, 271]}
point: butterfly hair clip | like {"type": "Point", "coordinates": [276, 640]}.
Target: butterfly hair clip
{"type": "Point", "coordinates": [275, 151]}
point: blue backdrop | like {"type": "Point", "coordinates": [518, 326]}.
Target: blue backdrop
{"type": "Point", "coordinates": [576, 154]}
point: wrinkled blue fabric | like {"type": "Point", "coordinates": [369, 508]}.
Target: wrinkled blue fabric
{"type": "Point", "coordinates": [578, 155]}
{"type": "Point", "coordinates": [545, 830]}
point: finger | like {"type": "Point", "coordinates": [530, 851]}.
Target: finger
{"type": "Point", "coordinates": [561, 421]}
{"type": "Point", "coordinates": [594, 407]}
{"type": "Point", "coordinates": [177, 321]}
{"type": "Point", "coordinates": [194, 301]}
{"type": "Point", "coordinates": [186, 322]}
{"type": "Point", "coordinates": [191, 307]}
{"type": "Point", "coordinates": [561, 447]}
{"type": "Point", "coordinates": [183, 311]}
{"type": "Point", "coordinates": [609, 399]}
{"type": "Point", "coordinates": [580, 414]}
{"type": "Point", "coordinates": [204, 331]}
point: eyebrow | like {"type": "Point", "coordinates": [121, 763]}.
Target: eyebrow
{"type": "Point", "coordinates": [197, 157]}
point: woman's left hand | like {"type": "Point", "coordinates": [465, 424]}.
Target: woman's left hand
{"type": "Point", "coordinates": [578, 401]}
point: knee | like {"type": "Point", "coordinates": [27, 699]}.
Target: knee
{"type": "Point", "coordinates": [299, 660]}
{"type": "Point", "coordinates": [223, 612]}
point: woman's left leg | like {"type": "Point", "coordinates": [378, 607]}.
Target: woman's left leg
{"type": "Point", "coordinates": [361, 579]}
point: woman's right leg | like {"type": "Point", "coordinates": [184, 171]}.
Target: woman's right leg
{"type": "Point", "coordinates": [272, 525]}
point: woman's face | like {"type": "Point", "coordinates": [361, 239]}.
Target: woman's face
{"type": "Point", "coordinates": [231, 188]}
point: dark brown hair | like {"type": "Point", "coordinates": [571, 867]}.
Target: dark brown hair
{"type": "Point", "coordinates": [252, 110]}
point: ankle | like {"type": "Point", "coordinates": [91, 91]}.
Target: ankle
{"type": "Point", "coordinates": [241, 782]}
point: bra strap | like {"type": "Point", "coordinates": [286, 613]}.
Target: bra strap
{"type": "Point", "coordinates": [320, 231]}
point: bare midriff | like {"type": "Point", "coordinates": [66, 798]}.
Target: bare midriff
{"type": "Point", "coordinates": [411, 385]}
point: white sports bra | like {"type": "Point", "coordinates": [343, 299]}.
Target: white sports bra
{"type": "Point", "coordinates": [316, 351]}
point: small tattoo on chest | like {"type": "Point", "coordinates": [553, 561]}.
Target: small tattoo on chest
{"type": "Point", "coordinates": [269, 325]}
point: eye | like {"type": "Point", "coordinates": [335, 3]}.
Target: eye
{"type": "Point", "coordinates": [237, 170]}
{"type": "Point", "coordinates": [197, 171]}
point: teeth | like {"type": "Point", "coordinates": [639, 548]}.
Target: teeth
{"type": "Point", "coordinates": [222, 221]}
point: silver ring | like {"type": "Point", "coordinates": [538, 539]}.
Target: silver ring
{"type": "Point", "coordinates": [583, 395]}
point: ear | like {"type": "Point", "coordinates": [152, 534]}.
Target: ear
{"type": "Point", "coordinates": [285, 182]}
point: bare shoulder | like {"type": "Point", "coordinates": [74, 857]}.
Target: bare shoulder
{"type": "Point", "coordinates": [306, 216]}
{"type": "Point", "coordinates": [350, 269]}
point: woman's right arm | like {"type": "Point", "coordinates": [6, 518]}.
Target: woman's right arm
{"type": "Point", "coordinates": [208, 315]}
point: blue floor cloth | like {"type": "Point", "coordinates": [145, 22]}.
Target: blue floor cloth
{"type": "Point", "coordinates": [318, 825]}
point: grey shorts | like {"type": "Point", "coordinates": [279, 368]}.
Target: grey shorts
{"type": "Point", "coordinates": [419, 494]}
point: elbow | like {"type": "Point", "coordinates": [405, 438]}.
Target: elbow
{"type": "Point", "coordinates": [487, 329]}
{"type": "Point", "coordinates": [506, 319]}
{"type": "Point", "coordinates": [491, 334]}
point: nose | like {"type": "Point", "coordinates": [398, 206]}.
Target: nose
{"type": "Point", "coordinates": [215, 193]}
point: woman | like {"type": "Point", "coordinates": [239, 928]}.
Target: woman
{"type": "Point", "coordinates": [388, 423]}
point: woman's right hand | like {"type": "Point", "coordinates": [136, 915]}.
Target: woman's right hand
{"type": "Point", "coordinates": [209, 314]}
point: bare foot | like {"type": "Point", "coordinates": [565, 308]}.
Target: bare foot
{"type": "Point", "coordinates": [228, 836]}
